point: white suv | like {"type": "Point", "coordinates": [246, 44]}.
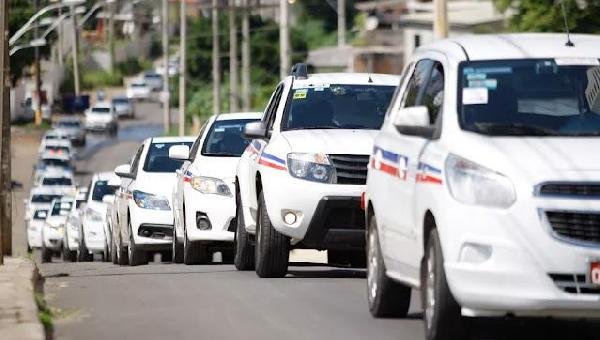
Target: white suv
{"type": "Point", "coordinates": [143, 202]}
{"type": "Point", "coordinates": [203, 200]}
{"type": "Point", "coordinates": [299, 182]}
{"type": "Point", "coordinates": [483, 189]}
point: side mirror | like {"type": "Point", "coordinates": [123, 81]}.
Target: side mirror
{"type": "Point", "coordinates": [124, 170]}
{"type": "Point", "coordinates": [108, 199]}
{"type": "Point", "coordinates": [181, 152]}
{"type": "Point", "coordinates": [414, 121]}
{"type": "Point", "coordinates": [254, 130]}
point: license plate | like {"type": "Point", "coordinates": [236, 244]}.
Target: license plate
{"type": "Point", "coordinates": [594, 274]}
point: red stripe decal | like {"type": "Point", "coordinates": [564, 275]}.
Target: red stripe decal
{"type": "Point", "coordinates": [388, 169]}
{"type": "Point", "coordinates": [422, 178]}
{"type": "Point", "coordinates": [271, 165]}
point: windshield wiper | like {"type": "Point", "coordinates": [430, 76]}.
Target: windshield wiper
{"type": "Point", "coordinates": [514, 129]}
{"type": "Point", "coordinates": [323, 127]}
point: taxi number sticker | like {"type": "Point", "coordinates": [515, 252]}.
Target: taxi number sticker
{"type": "Point", "coordinates": [300, 94]}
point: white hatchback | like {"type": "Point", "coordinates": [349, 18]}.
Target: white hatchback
{"type": "Point", "coordinates": [483, 188]}
{"type": "Point", "coordinates": [203, 200]}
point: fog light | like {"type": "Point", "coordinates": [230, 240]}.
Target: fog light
{"type": "Point", "coordinates": [289, 218]}
{"type": "Point", "coordinates": [475, 253]}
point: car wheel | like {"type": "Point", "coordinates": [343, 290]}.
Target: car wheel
{"type": "Point", "coordinates": [272, 250]}
{"type": "Point", "coordinates": [243, 248]}
{"type": "Point", "coordinates": [135, 255]}
{"type": "Point", "coordinates": [442, 317]}
{"type": "Point", "coordinates": [113, 250]}
{"type": "Point", "coordinates": [83, 254]}
{"type": "Point", "coordinates": [46, 254]}
{"type": "Point", "coordinates": [193, 252]}
{"type": "Point", "coordinates": [105, 253]}
{"type": "Point", "coordinates": [68, 255]}
{"type": "Point", "coordinates": [122, 258]}
{"type": "Point", "coordinates": [387, 298]}
{"type": "Point", "coordinates": [177, 248]}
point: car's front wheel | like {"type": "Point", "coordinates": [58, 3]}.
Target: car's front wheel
{"type": "Point", "coordinates": [113, 249]}
{"type": "Point", "coordinates": [442, 316]}
{"type": "Point", "coordinates": [386, 297]}
{"type": "Point", "coordinates": [272, 249]}
{"type": "Point", "coordinates": [83, 254]}
{"type": "Point", "coordinates": [135, 255]}
{"type": "Point", "coordinates": [177, 247]}
{"type": "Point", "coordinates": [243, 248]}
{"type": "Point", "coordinates": [46, 254]}
{"type": "Point", "coordinates": [68, 255]}
{"type": "Point", "coordinates": [193, 252]}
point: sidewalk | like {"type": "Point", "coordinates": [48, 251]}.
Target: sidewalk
{"type": "Point", "coordinates": [18, 310]}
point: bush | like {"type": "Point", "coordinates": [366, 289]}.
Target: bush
{"type": "Point", "coordinates": [95, 79]}
{"type": "Point", "coordinates": [129, 67]}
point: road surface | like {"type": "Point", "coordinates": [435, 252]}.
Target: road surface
{"type": "Point", "coordinates": [167, 301]}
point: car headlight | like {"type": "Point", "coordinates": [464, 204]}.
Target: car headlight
{"type": "Point", "coordinates": [93, 215]}
{"type": "Point", "coordinates": [149, 201]}
{"type": "Point", "coordinates": [209, 185]}
{"type": "Point", "coordinates": [311, 167]}
{"type": "Point", "coordinates": [472, 183]}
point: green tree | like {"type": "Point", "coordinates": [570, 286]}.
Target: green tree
{"type": "Point", "coordinates": [546, 15]}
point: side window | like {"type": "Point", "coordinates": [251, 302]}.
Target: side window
{"type": "Point", "coordinates": [136, 160]}
{"type": "Point", "coordinates": [196, 145]}
{"type": "Point", "coordinates": [433, 95]}
{"type": "Point", "coordinates": [270, 107]}
{"type": "Point", "coordinates": [395, 98]}
{"type": "Point", "coordinates": [273, 112]}
{"type": "Point", "coordinates": [414, 90]}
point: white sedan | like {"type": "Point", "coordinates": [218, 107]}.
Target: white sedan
{"type": "Point", "coordinates": [203, 201]}
{"type": "Point", "coordinates": [53, 229]}
{"type": "Point", "coordinates": [138, 90]}
{"type": "Point", "coordinates": [101, 117]}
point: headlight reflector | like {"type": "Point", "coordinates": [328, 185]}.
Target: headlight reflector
{"type": "Point", "coordinates": [210, 185]}
{"type": "Point", "coordinates": [311, 167]}
{"type": "Point", "coordinates": [146, 200]}
{"type": "Point", "coordinates": [472, 183]}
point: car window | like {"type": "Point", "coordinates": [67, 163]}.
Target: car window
{"type": "Point", "coordinates": [57, 181]}
{"type": "Point", "coordinates": [272, 107]}
{"type": "Point", "coordinates": [101, 109]}
{"type": "Point", "coordinates": [74, 124]}
{"type": "Point", "coordinates": [42, 198]}
{"type": "Point", "coordinates": [426, 88]}
{"type": "Point", "coordinates": [196, 146]}
{"type": "Point", "coordinates": [397, 92]}
{"type": "Point", "coordinates": [101, 189]}
{"type": "Point", "coordinates": [40, 214]}
{"type": "Point", "coordinates": [157, 157]}
{"type": "Point", "coordinates": [136, 160]}
{"type": "Point", "coordinates": [416, 84]}
{"type": "Point", "coordinates": [61, 208]}
{"type": "Point", "coordinates": [225, 138]}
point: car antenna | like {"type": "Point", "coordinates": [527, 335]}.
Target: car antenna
{"type": "Point", "coordinates": [569, 43]}
{"type": "Point", "coordinates": [370, 79]}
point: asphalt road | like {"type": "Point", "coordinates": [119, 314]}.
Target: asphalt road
{"type": "Point", "coordinates": [167, 301]}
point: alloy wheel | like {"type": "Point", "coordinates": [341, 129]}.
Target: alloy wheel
{"type": "Point", "coordinates": [372, 266]}
{"type": "Point", "coordinates": [430, 288]}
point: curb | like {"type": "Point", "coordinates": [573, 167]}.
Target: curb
{"type": "Point", "coordinates": [18, 310]}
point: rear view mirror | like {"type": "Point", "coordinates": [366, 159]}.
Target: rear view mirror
{"type": "Point", "coordinates": [254, 130]}
{"type": "Point", "coordinates": [124, 170]}
{"type": "Point", "coordinates": [414, 121]}
{"type": "Point", "coordinates": [181, 152]}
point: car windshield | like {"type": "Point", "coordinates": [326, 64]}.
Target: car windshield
{"type": "Point", "coordinates": [69, 124]}
{"type": "Point", "coordinates": [54, 162]}
{"type": "Point", "coordinates": [40, 214]}
{"type": "Point", "coordinates": [338, 107]}
{"type": "Point", "coordinates": [530, 97]}
{"type": "Point", "coordinates": [158, 159]}
{"type": "Point", "coordinates": [120, 101]}
{"type": "Point", "coordinates": [101, 189]}
{"type": "Point", "coordinates": [101, 109]}
{"type": "Point", "coordinates": [57, 181]}
{"type": "Point", "coordinates": [153, 76]}
{"type": "Point", "coordinates": [138, 85]}
{"type": "Point", "coordinates": [225, 138]}
{"type": "Point", "coordinates": [43, 198]}
{"type": "Point", "coordinates": [61, 208]}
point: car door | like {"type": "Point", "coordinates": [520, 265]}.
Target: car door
{"type": "Point", "coordinates": [424, 88]}
{"type": "Point", "coordinates": [125, 195]}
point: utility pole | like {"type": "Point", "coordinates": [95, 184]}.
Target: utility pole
{"type": "Point", "coordinates": [233, 62]}
{"type": "Point", "coordinates": [341, 12]}
{"type": "Point", "coordinates": [246, 56]}
{"type": "Point", "coordinates": [182, 67]}
{"type": "Point", "coordinates": [75, 51]}
{"type": "Point", "coordinates": [165, 47]}
{"type": "Point", "coordinates": [59, 42]}
{"type": "Point", "coordinates": [440, 19]}
{"type": "Point", "coordinates": [38, 76]}
{"type": "Point", "coordinates": [5, 224]}
{"type": "Point", "coordinates": [216, 63]}
{"type": "Point", "coordinates": [284, 39]}
{"type": "Point", "coordinates": [111, 35]}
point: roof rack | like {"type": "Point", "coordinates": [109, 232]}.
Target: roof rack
{"type": "Point", "coordinates": [300, 71]}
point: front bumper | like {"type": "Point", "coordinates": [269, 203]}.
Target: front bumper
{"type": "Point", "coordinates": [98, 126]}
{"type": "Point", "coordinates": [145, 219]}
{"type": "Point", "coordinates": [72, 238]}
{"type": "Point", "coordinates": [93, 232]}
{"type": "Point", "coordinates": [318, 207]}
{"type": "Point", "coordinates": [52, 237]}
{"type": "Point", "coordinates": [209, 217]}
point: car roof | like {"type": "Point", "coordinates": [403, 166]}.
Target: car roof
{"type": "Point", "coordinates": [175, 139]}
{"type": "Point", "coordinates": [45, 190]}
{"type": "Point", "coordinates": [348, 79]}
{"type": "Point", "coordinates": [101, 104]}
{"type": "Point", "coordinates": [58, 142]}
{"type": "Point", "coordinates": [239, 115]}
{"type": "Point", "coordinates": [55, 132]}
{"type": "Point", "coordinates": [517, 46]}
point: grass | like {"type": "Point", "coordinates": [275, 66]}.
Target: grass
{"type": "Point", "coordinates": [44, 312]}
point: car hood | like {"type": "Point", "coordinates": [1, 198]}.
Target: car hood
{"type": "Point", "coordinates": [217, 167]}
{"type": "Point", "coordinates": [91, 117]}
{"type": "Point", "coordinates": [156, 183]}
{"type": "Point", "coordinates": [350, 142]}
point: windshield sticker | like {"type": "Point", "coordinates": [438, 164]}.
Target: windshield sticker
{"type": "Point", "coordinates": [489, 84]}
{"type": "Point", "coordinates": [338, 91]}
{"type": "Point", "coordinates": [487, 70]}
{"type": "Point", "coordinates": [577, 61]}
{"type": "Point", "coordinates": [474, 96]}
{"type": "Point", "coordinates": [300, 94]}
{"type": "Point", "coordinates": [476, 76]}
{"type": "Point", "coordinates": [159, 146]}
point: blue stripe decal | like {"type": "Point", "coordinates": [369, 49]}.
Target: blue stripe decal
{"type": "Point", "coordinates": [273, 158]}
{"type": "Point", "coordinates": [387, 155]}
{"type": "Point", "coordinates": [427, 167]}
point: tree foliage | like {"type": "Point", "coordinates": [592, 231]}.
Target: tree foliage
{"type": "Point", "coordinates": [583, 16]}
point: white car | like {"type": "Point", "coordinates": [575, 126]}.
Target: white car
{"type": "Point", "coordinates": [51, 135]}
{"type": "Point", "coordinates": [203, 196]}
{"type": "Point", "coordinates": [58, 179]}
{"type": "Point", "coordinates": [138, 90]}
{"type": "Point", "coordinates": [40, 198]}
{"type": "Point", "coordinates": [72, 127]}
{"type": "Point", "coordinates": [53, 229]}
{"type": "Point", "coordinates": [124, 107]}
{"type": "Point", "coordinates": [154, 81]}
{"type": "Point", "coordinates": [71, 235]}
{"type": "Point", "coordinates": [92, 236]}
{"type": "Point", "coordinates": [300, 181]}
{"type": "Point", "coordinates": [51, 162]}
{"type": "Point", "coordinates": [34, 228]}
{"type": "Point", "coordinates": [110, 225]}
{"type": "Point", "coordinates": [145, 218]}
{"type": "Point", "coordinates": [57, 147]}
{"type": "Point", "coordinates": [101, 117]}
{"type": "Point", "coordinates": [483, 187]}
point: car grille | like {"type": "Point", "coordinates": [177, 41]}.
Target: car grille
{"type": "Point", "coordinates": [574, 284]}
{"type": "Point", "coordinates": [583, 227]}
{"type": "Point", "coordinates": [350, 169]}
{"type": "Point", "coordinates": [575, 190]}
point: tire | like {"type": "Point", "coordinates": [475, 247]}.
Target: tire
{"type": "Point", "coordinates": [387, 298]}
{"type": "Point", "coordinates": [113, 250]}
{"type": "Point", "coordinates": [272, 249]}
{"type": "Point", "coordinates": [242, 247]}
{"type": "Point", "coordinates": [442, 317]}
{"type": "Point", "coordinates": [68, 255]}
{"type": "Point", "coordinates": [106, 253]}
{"type": "Point", "coordinates": [193, 252]}
{"type": "Point", "coordinates": [177, 248]}
{"type": "Point", "coordinates": [122, 258]}
{"type": "Point", "coordinates": [135, 255]}
{"type": "Point", "coordinates": [83, 254]}
{"type": "Point", "coordinates": [46, 254]}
